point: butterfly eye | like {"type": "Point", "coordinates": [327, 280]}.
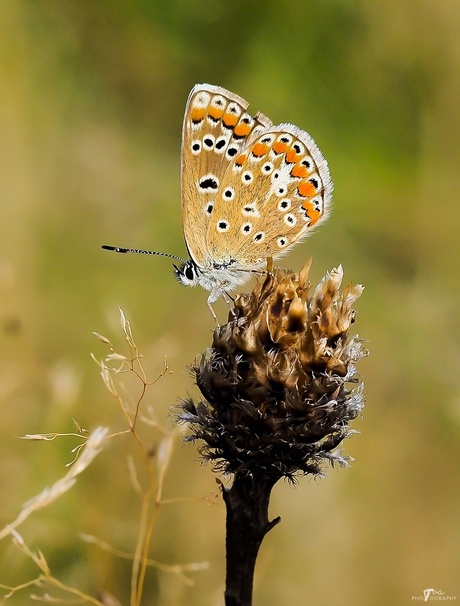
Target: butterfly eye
{"type": "Point", "coordinates": [186, 274]}
{"type": "Point", "coordinates": [189, 273]}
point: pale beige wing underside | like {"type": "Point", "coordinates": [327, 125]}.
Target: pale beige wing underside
{"type": "Point", "coordinates": [250, 190]}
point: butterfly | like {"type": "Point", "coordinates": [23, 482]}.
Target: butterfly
{"type": "Point", "coordinates": [250, 191]}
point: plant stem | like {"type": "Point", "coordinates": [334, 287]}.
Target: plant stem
{"type": "Point", "coordinates": [247, 503]}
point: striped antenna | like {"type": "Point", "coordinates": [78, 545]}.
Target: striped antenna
{"type": "Point", "coordinates": [138, 251]}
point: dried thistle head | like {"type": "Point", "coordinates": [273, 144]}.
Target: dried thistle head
{"type": "Point", "coordinates": [276, 378]}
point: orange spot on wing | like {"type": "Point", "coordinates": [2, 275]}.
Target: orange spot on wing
{"type": "Point", "coordinates": [230, 119]}
{"type": "Point", "coordinates": [216, 112]}
{"type": "Point", "coordinates": [242, 129]}
{"type": "Point", "coordinates": [260, 149]}
{"type": "Point", "coordinates": [299, 170]}
{"type": "Point", "coordinates": [312, 212]}
{"type": "Point", "coordinates": [306, 189]}
{"type": "Point", "coordinates": [240, 160]}
{"type": "Point", "coordinates": [292, 156]}
{"type": "Point", "coordinates": [279, 147]}
{"type": "Point", "coordinates": [197, 114]}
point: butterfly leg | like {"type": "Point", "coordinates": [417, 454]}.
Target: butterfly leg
{"type": "Point", "coordinates": [215, 294]}
{"type": "Point", "coordinates": [212, 299]}
{"type": "Point", "coordinates": [213, 313]}
{"type": "Point", "coordinates": [230, 301]}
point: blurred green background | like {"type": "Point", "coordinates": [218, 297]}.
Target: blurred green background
{"type": "Point", "coordinates": [91, 103]}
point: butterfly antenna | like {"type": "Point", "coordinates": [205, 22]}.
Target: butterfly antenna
{"type": "Point", "coordinates": [139, 251]}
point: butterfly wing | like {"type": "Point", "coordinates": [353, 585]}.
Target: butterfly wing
{"type": "Point", "coordinates": [216, 127]}
{"type": "Point", "coordinates": [274, 191]}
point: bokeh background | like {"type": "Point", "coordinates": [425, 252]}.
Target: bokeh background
{"type": "Point", "coordinates": [91, 104]}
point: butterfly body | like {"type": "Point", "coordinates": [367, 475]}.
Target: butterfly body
{"type": "Point", "coordinates": [250, 190]}
{"type": "Point", "coordinates": [218, 278]}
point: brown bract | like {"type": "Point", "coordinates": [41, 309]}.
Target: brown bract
{"type": "Point", "coordinates": [276, 380]}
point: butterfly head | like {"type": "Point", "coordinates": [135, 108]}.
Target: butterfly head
{"type": "Point", "coordinates": [187, 273]}
{"type": "Point", "coordinates": [219, 278]}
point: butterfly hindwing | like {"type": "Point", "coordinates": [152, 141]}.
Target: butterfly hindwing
{"type": "Point", "coordinates": [271, 196]}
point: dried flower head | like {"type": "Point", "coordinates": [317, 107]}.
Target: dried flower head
{"type": "Point", "coordinates": [276, 379]}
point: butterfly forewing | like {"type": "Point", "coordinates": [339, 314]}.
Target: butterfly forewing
{"type": "Point", "coordinates": [216, 128]}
